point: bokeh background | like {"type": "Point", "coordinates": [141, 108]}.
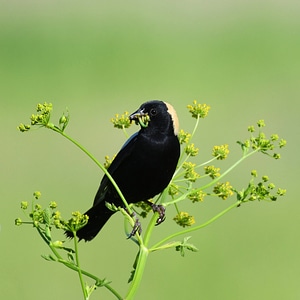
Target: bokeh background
{"type": "Point", "coordinates": [99, 58]}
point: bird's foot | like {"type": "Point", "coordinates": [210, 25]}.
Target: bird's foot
{"type": "Point", "coordinates": [137, 227]}
{"type": "Point", "coordinates": [161, 210]}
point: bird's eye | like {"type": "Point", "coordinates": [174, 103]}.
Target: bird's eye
{"type": "Point", "coordinates": [153, 112]}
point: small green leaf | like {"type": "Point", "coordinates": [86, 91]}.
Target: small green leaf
{"type": "Point", "coordinates": [71, 257]}
{"type": "Point", "coordinates": [47, 214]}
{"type": "Point", "coordinates": [184, 245]}
{"type": "Point", "coordinates": [49, 257]}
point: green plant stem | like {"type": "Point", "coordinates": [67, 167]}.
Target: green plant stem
{"type": "Point", "coordinates": [92, 157]}
{"type": "Point", "coordinates": [195, 127]}
{"type": "Point", "coordinates": [140, 267]}
{"type": "Point", "coordinates": [114, 292]}
{"type": "Point", "coordinates": [97, 280]}
{"type": "Point", "coordinates": [125, 132]}
{"type": "Point", "coordinates": [236, 204]}
{"type": "Point", "coordinates": [142, 258]}
{"type": "Point", "coordinates": [180, 166]}
{"type": "Point", "coordinates": [143, 250]}
{"type": "Point", "coordinates": [207, 162]}
{"type": "Point", "coordinates": [180, 163]}
{"type": "Point", "coordinates": [149, 229]}
{"type": "Point", "coordinates": [177, 209]}
{"type": "Point", "coordinates": [85, 293]}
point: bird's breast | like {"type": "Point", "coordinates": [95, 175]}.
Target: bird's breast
{"type": "Point", "coordinates": [150, 167]}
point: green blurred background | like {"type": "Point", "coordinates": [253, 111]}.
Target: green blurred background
{"type": "Point", "coordinates": [99, 58]}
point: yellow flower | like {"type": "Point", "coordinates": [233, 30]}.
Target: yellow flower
{"type": "Point", "coordinates": [198, 110]}
{"type": "Point", "coordinates": [184, 219]}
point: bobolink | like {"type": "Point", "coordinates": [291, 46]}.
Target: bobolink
{"type": "Point", "coordinates": [142, 169]}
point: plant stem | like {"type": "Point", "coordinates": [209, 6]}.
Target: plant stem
{"type": "Point", "coordinates": [142, 258]}
{"type": "Point", "coordinates": [181, 155]}
{"type": "Point", "coordinates": [149, 229]}
{"type": "Point", "coordinates": [125, 132]}
{"type": "Point", "coordinates": [237, 203]}
{"type": "Point", "coordinates": [195, 127]}
{"type": "Point", "coordinates": [92, 157]}
{"type": "Point", "coordinates": [143, 253]}
{"type": "Point", "coordinates": [85, 293]}
{"type": "Point", "coordinates": [141, 262]}
{"type": "Point", "coordinates": [97, 280]}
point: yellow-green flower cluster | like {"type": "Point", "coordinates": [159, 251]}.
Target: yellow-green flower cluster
{"type": "Point", "coordinates": [265, 178]}
{"type": "Point", "coordinates": [42, 118]}
{"type": "Point", "coordinates": [223, 190]}
{"type": "Point", "coordinates": [212, 171]}
{"type": "Point", "coordinates": [43, 115]}
{"type": "Point", "coordinates": [108, 161]}
{"type": "Point", "coordinates": [261, 142]}
{"type": "Point", "coordinates": [274, 137]}
{"type": "Point", "coordinates": [45, 108]}
{"type": "Point", "coordinates": [23, 127]}
{"type": "Point", "coordinates": [24, 205]}
{"type": "Point", "coordinates": [251, 128]}
{"type": "Point", "coordinates": [191, 150]}
{"type": "Point", "coordinates": [184, 219]}
{"type": "Point", "coordinates": [220, 152]}
{"type": "Point", "coordinates": [183, 137]}
{"type": "Point", "coordinates": [260, 191]}
{"type": "Point", "coordinates": [198, 110]}
{"type": "Point", "coordinates": [122, 121]}
{"type": "Point", "coordinates": [53, 204]}
{"type": "Point", "coordinates": [57, 220]}
{"type": "Point", "coordinates": [46, 218]}
{"type": "Point", "coordinates": [18, 222]}
{"type": "Point", "coordinates": [173, 189]}
{"type": "Point", "coordinates": [190, 173]}
{"type": "Point", "coordinates": [196, 196]}
{"type": "Point", "coordinates": [254, 173]}
{"type": "Point", "coordinates": [37, 194]}
{"type": "Point", "coordinates": [39, 215]}
{"type": "Point", "coordinates": [261, 123]}
{"type": "Point", "coordinates": [282, 143]}
{"type": "Point", "coordinates": [77, 221]}
{"type": "Point", "coordinates": [281, 192]}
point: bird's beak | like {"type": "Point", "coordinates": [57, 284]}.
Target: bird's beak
{"type": "Point", "coordinates": [136, 115]}
{"type": "Point", "coordinates": [140, 118]}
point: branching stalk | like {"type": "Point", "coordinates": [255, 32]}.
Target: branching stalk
{"type": "Point", "coordinates": [44, 220]}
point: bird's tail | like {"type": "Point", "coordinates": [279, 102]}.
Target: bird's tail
{"type": "Point", "coordinates": [98, 216]}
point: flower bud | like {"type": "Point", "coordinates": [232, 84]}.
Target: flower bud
{"type": "Point", "coordinates": [18, 222]}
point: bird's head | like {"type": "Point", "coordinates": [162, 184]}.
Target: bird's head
{"type": "Point", "coordinates": [156, 116]}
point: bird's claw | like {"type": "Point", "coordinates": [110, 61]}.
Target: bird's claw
{"type": "Point", "coordinates": [137, 227]}
{"type": "Point", "coordinates": [161, 210]}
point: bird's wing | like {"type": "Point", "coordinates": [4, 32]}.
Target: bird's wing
{"type": "Point", "coordinates": [125, 151]}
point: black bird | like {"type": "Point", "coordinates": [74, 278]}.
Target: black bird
{"type": "Point", "coordinates": [142, 169]}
